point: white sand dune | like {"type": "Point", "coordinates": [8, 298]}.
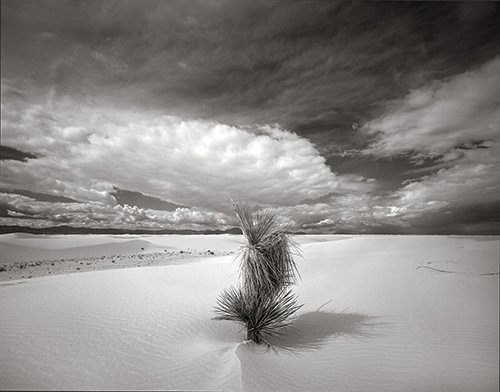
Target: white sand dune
{"type": "Point", "coordinates": [29, 247]}
{"type": "Point", "coordinates": [372, 320]}
{"type": "Point", "coordinates": [29, 256]}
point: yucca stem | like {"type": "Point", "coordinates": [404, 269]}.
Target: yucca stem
{"type": "Point", "coordinates": [254, 335]}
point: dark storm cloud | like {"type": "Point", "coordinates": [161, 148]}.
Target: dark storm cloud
{"type": "Point", "coordinates": [12, 153]}
{"type": "Point", "coordinates": [479, 218]}
{"type": "Point", "coordinates": [124, 197]}
{"type": "Point", "coordinates": [39, 196]}
{"type": "Point", "coordinates": [316, 70]}
{"type": "Point", "coordinates": [391, 173]}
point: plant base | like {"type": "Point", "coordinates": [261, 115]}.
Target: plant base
{"type": "Point", "coordinates": [254, 336]}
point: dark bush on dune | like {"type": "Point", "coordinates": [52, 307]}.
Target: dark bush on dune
{"type": "Point", "coordinates": [264, 302]}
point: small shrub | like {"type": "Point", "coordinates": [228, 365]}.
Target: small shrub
{"type": "Point", "coordinates": [263, 304]}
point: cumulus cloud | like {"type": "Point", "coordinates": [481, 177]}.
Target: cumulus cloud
{"type": "Point", "coordinates": [189, 162]}
{"type": "Point", "coordinates": [342, 213]}
{"type": "Point", "coordinates": [94, 215]}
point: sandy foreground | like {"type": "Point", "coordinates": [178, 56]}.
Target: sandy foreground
{"type": "Point", "coordinates": [381, 313]}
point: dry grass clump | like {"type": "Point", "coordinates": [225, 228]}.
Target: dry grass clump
{"type": "Point", "coordinates": [264, 303]}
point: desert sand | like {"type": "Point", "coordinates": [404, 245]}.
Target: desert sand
{"type": "Point", "coordinates": [29, 256]}
{"type": "Point", "coordinates": [381, 313]}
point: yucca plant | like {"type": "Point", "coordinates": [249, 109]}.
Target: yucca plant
{"type": "Point", "coordinates": [264, 302]}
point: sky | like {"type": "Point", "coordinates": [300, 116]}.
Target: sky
{"type": "Point", "coordinates": [342, 117]}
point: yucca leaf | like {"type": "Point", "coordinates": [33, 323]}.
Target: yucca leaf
{"type": "Point", "coordinates": [261, 315]}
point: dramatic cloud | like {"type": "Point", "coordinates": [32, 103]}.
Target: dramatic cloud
{"type": "Point", "coordinates": [22, 210]}
{"type": "Point", "coordinates": [456, 123]}
{"type": "Point", "coordinates": [189, 162]}
{"type": "Point", "coordinates": [347, 116]}
{"type": "Point", "coordinates": [314, 69]}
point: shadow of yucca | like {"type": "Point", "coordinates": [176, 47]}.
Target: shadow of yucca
{"type": "Point", "coordinates": [311, 330]}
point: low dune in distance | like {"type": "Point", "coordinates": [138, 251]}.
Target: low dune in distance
{"type": "Point", "coordinates": [29, 256]}
{"type": "Point", "coordinates": [381, 313]}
